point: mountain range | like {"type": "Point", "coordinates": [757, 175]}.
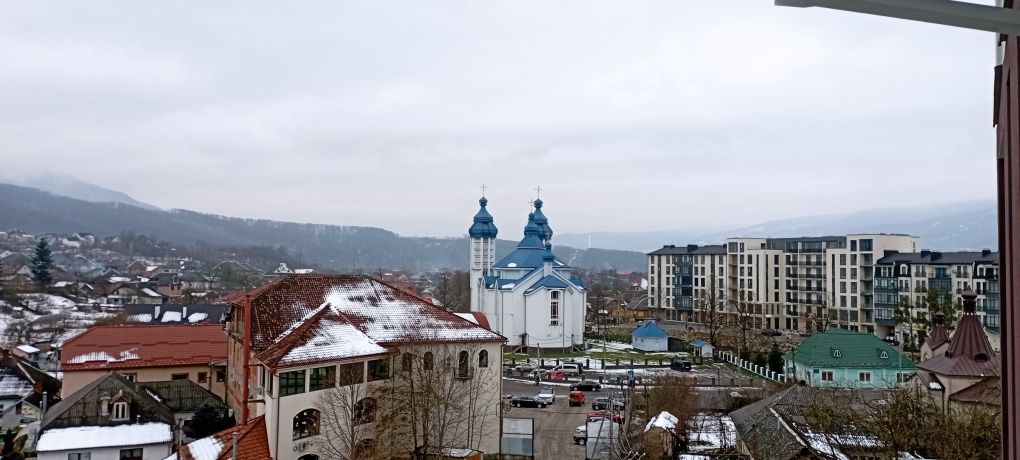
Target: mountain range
{"type": "Point", "coordinates": [63, 205]}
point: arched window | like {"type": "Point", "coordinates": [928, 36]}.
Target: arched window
{"type": "Point", "coordinates": [406, 361]}
{"type": "Point", "coordinates": [306, 423]}
{"type": "Point", "coordinates": [308, 457]}
{"type": "Point", "coordinates": [364, 411]}
{"type": "Point", "coordinates": [428, 361]}
{"type": "Point", "coordinates": [483, 358]}
{"type": "Point", "coordinates": [463, 370]}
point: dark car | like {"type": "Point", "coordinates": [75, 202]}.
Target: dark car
{"type": "Point", "coordinates": [771, 332]}
{"type": "Point", "coordinates": [586, 385]}
{"type": "Point", "coordinates": [680, 365]}
{"type": "Point", "coordinates": [607, 403]}
{"type": "Point", "coordinates": [527, 401]}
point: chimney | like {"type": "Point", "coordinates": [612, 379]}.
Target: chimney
{"type": "Point", "coordinates": [184, 314]}
{"type": "Point", "coordinates": [969, 302]}
{"type": "Point", "coordinates": [986, 252]}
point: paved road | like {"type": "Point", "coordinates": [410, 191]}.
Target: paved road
{"type": "Point", "coordinates": [554, 425]}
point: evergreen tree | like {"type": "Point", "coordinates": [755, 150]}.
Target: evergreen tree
{"type": "Point", "coordinates": [42, 263]}
{"type": "Point", "coordinates": [776, 359]}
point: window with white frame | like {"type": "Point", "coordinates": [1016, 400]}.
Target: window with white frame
{"type": "Point", "coordinates": [864, 376]}
{"type": "Point", "coordinates": [120, 411]}
{"type": "Point", "coordinates": [554, 308]}
{"type": "Point", "coordinates": [827, 376]}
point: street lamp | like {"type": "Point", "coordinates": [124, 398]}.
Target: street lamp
{"type": "Point", "coordinates": [946, 12]}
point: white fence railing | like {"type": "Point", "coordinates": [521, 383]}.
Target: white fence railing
{"type": "Point", "coordinates": [753, 368]}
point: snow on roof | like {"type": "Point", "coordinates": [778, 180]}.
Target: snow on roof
{"type": "Point", "coordinates": [467, 316]}
{"type": "Point", "coordinates": [206, 448]}
{"type": "Point", "coordinates": [150, 292]}
{"type": "Point", "coordinates": [90, 437]}
{"type": "Point", "coordinates": [104, 356]}
{"type": "Point", "coordinates": [28, 349]}
{"type": "Point", "coordinates": [141, 318]}
{"type": "Point", "coordinates": [196, 317]}
{"type": "Point", "coordinates": [333, 340]}
{"type": "Point", "coordinates": [12, 384]}
{"type": "Point", "coordinates": [119, 279]}
{"type": "Point", "coordinates": [664, 420]}
{"type": "Point", "coordinates": [171, 317]}
{"type": "Point", "coordinates": [934, 385]}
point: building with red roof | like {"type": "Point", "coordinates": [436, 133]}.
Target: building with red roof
{"type": "Point", "coordinates": [297, 338]}
{"type": "Point", "coordinates": [147, 353]}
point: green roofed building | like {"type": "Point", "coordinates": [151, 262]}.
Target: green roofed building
{"type": "Point", "coordinates": [839, 358]}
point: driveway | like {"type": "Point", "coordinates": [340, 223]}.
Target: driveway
{"type": "Point", "coordinates": [554, 425]}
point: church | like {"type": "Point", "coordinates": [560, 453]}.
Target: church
{"type": "Point", "coordinates": [528, 296]}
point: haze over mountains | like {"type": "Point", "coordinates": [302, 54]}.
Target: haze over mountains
{"type": "Point", "coordinates": [69, 205]}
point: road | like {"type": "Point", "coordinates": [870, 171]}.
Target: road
{"type": "Point", "coordinates": [554, 425]}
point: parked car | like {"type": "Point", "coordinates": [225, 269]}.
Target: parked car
{"type": "Point", "coordinates": [604, 415]}
{"type": "Point", "coordinates": [771, 332]}
{"type": "Point", "coordinates": [541, 373]}
{"type": "Point", "coordinates": [525, 367]}
{"type": "Point", "coordinates": [570, 368]}
{"type": "Point", "coordinates": [586, 385]}
{"type": "Point", "coordinates": [581, 434]}
{"type": "Point", "coordinates": [680, 365]}
{"type": "Point", "coordinates": [547, 395]}
{"type": "Point", "coordinates": [604, 403]}
{"type": "Point", "coordinates": [527, 401]}
{"type": "Point", "coordinates": [575, 398]}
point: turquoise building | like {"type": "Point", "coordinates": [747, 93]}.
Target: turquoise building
{"type": "Point", "coordinates": [838, 358]}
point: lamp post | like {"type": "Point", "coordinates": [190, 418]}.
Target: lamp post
{"type": "Point", "coordinates": [1004, 21]}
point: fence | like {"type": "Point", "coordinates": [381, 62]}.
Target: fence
{"type": "Point", "coordinates": [750, 367]}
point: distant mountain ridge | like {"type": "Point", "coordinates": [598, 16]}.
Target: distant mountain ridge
{"type": "Point", "coordinates": [342, 248]}
{"type": "Point", "coordinates": [955, 226]}
{"type": "Point", "coordinates": [75, 188]}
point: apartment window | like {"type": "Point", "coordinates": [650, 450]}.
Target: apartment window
{"type": "Point", "coordinates": [827, 376]}
{"type": "Point", "coordinates": [750, 271]}
{"type": "Point", "coordinates": [131, 454]}
{"type": "Point", "coordinates": [120, 411]}
{"type": "Point", "coordinates": [866, 245]}
{"type": "Point", "coordinates": [864, 376]}
{"type": "Point", "coordinates": [183, 376]}
{"type": "Point", "coordinates": [554, 307]}
{"type": "Point", "coordinates": [292, 383]}
{"type": "Point", "coordinates": [842, 287]}
{"type": "Point", "coordinates": [221, 376]}
{"type": "Point", "coordinates": [842, 272]}
{"type": "Point", "coordinates": [322, 378]}
{"type": "Point", "coordinates": [351, 374]}
{"type": "Point", "coordinates": [853, 259]}
{"type": "Point", "coordinates": [853, 302]}
{"type": "Point", "coordinates": [842, 301]}
{"type": "Point", "coordinates": [853, 273]}
{"type": "Point", "coordinates": [853, 245]}
{"type": "Point", "coordinates": [842, 259]}
{"type": "Point", "coordinates": [79, 456]}
{"type": "Point", "coordinates": [378, 369]}
{"type": "Point", "coordinates": [203, 377]}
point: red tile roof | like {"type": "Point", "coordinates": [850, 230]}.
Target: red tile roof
{"type": "Point", "coordinates": [356, 314]}
{"type": "Point", "coordinates": [969, 354]}
{"type": "Point", "coordinates": [252, 442]}
{"type": "Point", "coordinates": [140, 345]}
{"type": "Point", "coordinates": [987, 391]}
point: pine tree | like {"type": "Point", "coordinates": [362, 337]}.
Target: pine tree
{"type": "Point", "coordinates": [42, 263]}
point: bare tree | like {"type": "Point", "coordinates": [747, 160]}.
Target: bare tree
{"type": "Point", "coordinates": [344, 412]}
{"type": "Point", "coordinates": [745, 315]}
{"type": "Point", "coordinates": [708, 306]}
{"type": "Point", "coordinates": [441, 396]}
{"type": "Point", "coordinates": [16, 333]}
{"type": "Point", "coordinates": [673, 394]}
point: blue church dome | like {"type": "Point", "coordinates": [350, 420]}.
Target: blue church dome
{"type": "Point", "coordinates": [545, 232]}
{"type": "Point", "coordinates": [483, 226]}
{"type": "Point", "coordinates": [532, 234]}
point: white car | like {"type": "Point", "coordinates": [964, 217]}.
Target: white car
{"type": "Point", "coordinates": [547, 394]}
{"type": "Point", "coordinates": [581, 434]}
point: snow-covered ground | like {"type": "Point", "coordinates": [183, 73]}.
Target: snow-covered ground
{"type": "Point", "coordinates": [710, 432]}
{"type": "Point", "coordinates": [47, 302]}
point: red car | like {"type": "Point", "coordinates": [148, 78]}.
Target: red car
{"type": "Point", "coordinates": [576, 398]}
{"type": "Point", "coordinates": [604, 414]}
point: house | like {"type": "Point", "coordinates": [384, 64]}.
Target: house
{"type": "Point", "coordinates": [777, 428]}
{"type": "Point", "coordinates": [965, 369]}
{"type": "Point", "coordinates": [147, 353]}
{"type": "Point", "coordinates": [20, 379]}
{"type": "Point", "coordinates": [170, 313]}
{"type": "Point", "coordinates": [660, 436]}
{"type": "Point", "coordinates": [117, 419]}
{"type": "Point", "coordinates": [121, 293]}
{"type": "Point", "coordinates": [252, 444]}
{"type": "Point", "coordinates": [702, 348]}
{"type": "Point", "coordinates": [295, 339]}
{"type": "Point", "coordinates": [650, 337]}
{"type": "Point", "coordinates": [842, 358]}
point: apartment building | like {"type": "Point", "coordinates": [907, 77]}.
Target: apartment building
{"type": "Point", "coordinates": [915, 274]}
{"type": "Point", "coordinates": [777, 283]}
{"type": "Point", "coordinates": [678, 276]}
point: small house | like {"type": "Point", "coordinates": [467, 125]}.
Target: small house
{"type": "Point", "coordinates": [650, 337]}
{"type": "Point", "coordinates": [839, 358]}
{"type": "Point", "coordinates": [702, 348]}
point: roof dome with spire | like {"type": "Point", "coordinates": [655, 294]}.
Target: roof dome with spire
{"type": "Point", "coordinates": [969, 353]}
{"type": "Point", "coordinates": [483, 226]}
{"type": "Point", "coordinates": [531, 252]}
{"type": "Point", "coordinates": [546, 232]}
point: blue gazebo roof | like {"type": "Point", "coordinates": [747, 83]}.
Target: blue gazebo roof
{"type": "Point", "coordinates": [650, 330]}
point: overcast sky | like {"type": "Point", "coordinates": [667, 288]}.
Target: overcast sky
{"type": "Point", "coordinates": [630, 115]}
